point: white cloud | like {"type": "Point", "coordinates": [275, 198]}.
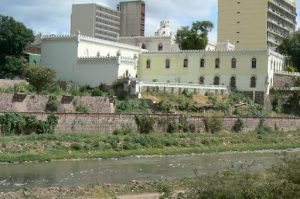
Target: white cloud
{"type": "Point", "coordinates": [53, 16]}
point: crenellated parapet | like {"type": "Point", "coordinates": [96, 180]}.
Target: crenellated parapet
{"type": "Point", "coordinates": [241, 51]}
{"type": "Point", "coordinates": [79, 38]}
{"type": "Point", "coordinates": [96, 59]}
{"type": "Point", "coordinates": [58, 37]}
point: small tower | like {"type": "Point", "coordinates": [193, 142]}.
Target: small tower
{"type": "Point", "coordinates": [164, 30]}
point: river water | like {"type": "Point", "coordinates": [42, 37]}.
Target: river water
{"type": "Point", "coordinates": [116, 171]}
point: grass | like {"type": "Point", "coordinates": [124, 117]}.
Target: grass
{"type": "Point", "coordinates": [86, 146]}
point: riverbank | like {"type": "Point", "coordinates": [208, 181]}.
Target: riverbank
{"type": "Point", "coordinates": [281, 181]}
{"type": "Point", "coordinates": [42, 148]}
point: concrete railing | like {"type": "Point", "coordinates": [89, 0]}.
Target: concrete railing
{"type": "Point", "coordinates": [182, 86]}
{"type": "Point", "coordinates": [297, 74]}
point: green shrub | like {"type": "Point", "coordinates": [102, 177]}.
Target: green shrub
{"type": "Point", "coordinates": [15, 123]}
{"type": "Point", "coordinates": [132, 106]}
{"type": "Point", "coordinates": [40, 77]}
{"type": "Point", "coordinates": [145, 124]}
{"type": "Point", "coordinates": [276, 105]}
{"type": "Point", "coordinates": [212, 99]}
{"type": "Point", "coordinates": [52, 104]}
{"type": "Point", "coordinates": [192, 128]}
{"type": "Point", "coordinates": [123, 131]}
{"type": "Point", "coordinates": [165, 107]}
{"type": "Point", "coordinates": [172, 127]}
{"type": "Point", "coordinates": [96, 92]}
{"type": "Point", "coordinates": [82, 109]}
{"type": "Point", "coordinates": [165, 189]}
{"type": "Point", "coordinates": [76, 146]}
{"type": "Point", "coordinates": [213, 124]}
{"type": "Point", "coordinates": [238, 125]}
{"type": "Point", "coordinates": [183, 124]}
{"type": "Point", "coordinates": [238, 112]}
{"type": "Point", "coordinates": [262, 128]}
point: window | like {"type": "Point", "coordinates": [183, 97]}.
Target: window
{"type": "Point", "coordinates": [201, 80]}
{"type": "Point", "coordinates": [233, 83]}
{"type": "Point", "coordinates": [167, 63]}
{"type": "Point", "coordinates": [233, 63]}
{"type": "Point", "coordinates": [148, 65]}
{"type": "Point", "coordinates": [217, 63]}
{"type": "Point", "coordinates": [185, 63]}
{"type": "Point", "coordinates": [253, 63]}
{"type": "Point", "coordinates": [143, 46]}
{"type": "Point", "coordinates": [160, 47]}
{"type": "Point", "coordinates": [253, 82]}
{"type": "Point", "coordinates": [217, 80]}
{"type": "Point", "coordinates": [202, 63]}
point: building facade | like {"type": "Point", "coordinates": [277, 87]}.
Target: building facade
{"type": "Point", "coordinates": [97, 21]}
{"type": "Point", "coordinates": [242, 70]}
{"type": "Point", "coordinates": [256, 23]}
{"type": "Point", "coordinates": [132, 18]}
{"type": "Point", "coordinates": [89, 61]}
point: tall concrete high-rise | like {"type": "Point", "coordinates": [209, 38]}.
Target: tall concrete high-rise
{"type": "Point", "coordinates": [256, 23]}
{"type": "Point", "coordinates": [95, 21]}
{"type": "Point", "coordinates": [132, 18]}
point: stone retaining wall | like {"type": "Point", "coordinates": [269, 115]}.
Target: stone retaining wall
{"type": "Point", "coordinates": [107, 123]}
{"type": "Point", "coordinates": [19, 102]}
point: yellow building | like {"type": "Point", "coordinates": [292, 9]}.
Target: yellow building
{"type": "Point", "coordinates": [248, 70]}
{"type": "Point", "coordinates": [256, 23]}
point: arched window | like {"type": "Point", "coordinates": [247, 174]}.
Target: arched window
{"type": "Point", "coordinates": [185, 63]}
{"type": "Point", "coordinates": [217, 80]}
{"type": "Point", "coordinates": [253, 82]}
{"type": "Point", "coordinates": [167, 63]}
{"type": "Point", "coordinates": [233, 83]}
{"type": "Point", "coordinates": [217, 63]}
{"type": "Point", "coordinates": [253, 63]}
{"type": "Point", "coordinates": [233, 63]}
{"type": "Point", "coordinates": [201, 80]}
{"type": "Point", "coordinates": [86, 53]}
{"type": "Point", "coordinates": [143, 46]}
{"type": "Point", "coordinates": [202, 63]}
{"type": "Point", "coordinates": [160, 47]}
{"type": "Point", "coordinates": [148, 64]}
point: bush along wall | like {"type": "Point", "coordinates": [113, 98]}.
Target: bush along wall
{"type": "Point", "coordinates": [15, 123]}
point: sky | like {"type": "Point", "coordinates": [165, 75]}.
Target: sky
{"type": "Point", "coordinates": [53, 16]}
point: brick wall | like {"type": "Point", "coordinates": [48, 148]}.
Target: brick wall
{"type": "Point", "coordinates": [107, 123]}
{"type": "Point", "coordinates": [283, 81]}
{"type": "Point", "coordinates": [37, 103]}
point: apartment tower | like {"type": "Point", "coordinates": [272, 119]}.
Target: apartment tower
{"type": "Point", "coordinates": [95, 21]}
{"type": "Point", "coordinates": [132, 18]}
{"type": "Point", "coordinates": [256, 23]}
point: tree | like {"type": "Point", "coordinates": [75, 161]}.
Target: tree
{"type": "Point", "coordinates": [14, 37]}
{"type": "Point", "coordinates": [13, 66]}
{"type": "Point", "coordinates": [291, 48]}
{"type": "Point", "coordinates": [40, 77]}
{"type": "Point", "coordinates": [194, 38]}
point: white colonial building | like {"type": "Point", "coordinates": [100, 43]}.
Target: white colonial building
{"type": "Point", "coordinates": [89, 61]}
